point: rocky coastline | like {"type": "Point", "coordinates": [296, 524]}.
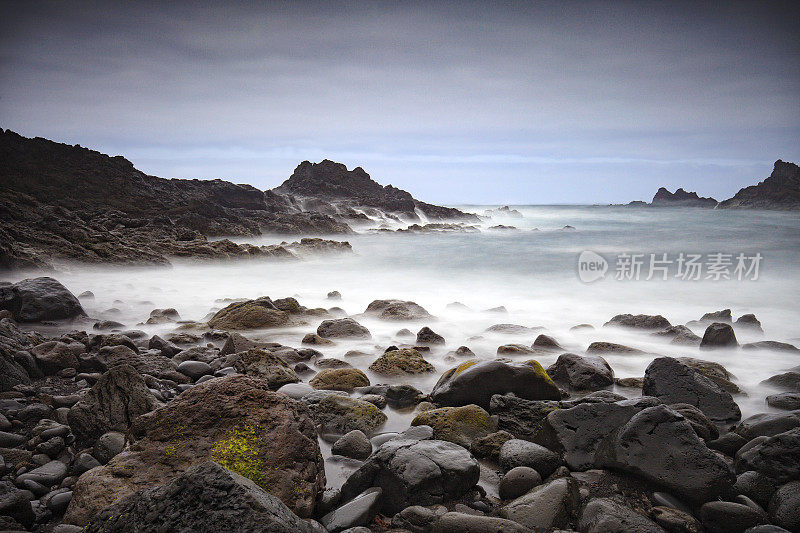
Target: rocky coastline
{"type": "Point", "coordinates": [104, 427]}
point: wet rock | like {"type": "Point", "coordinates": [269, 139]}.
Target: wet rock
{"type": "Point", "coordinates": [343, 379]}
{"type": "Point", "coordinates": [53, 356]}
{"type": "Point", "coordinates": [357, 512]}
{"type": "Point", "coordinates": [774, 346]}
{"type": "Point", "coordinates": [674, 382]}
{"type": "Point", "coordinates": [49, 474]}
{"type": "Point", "coordinates": [516, 452]}
{"type": "Point", "coordinates": [511, 329]}
{"type": "Point", "coordinates": [546, 342]}
{"type": "Point", "coordinates": [236, 342]}
{"type": "Point", "coordinates": [265, 366]}
{"type": "Point", "coordinates": [675, 520]}
{"type": "Point", "coordinates": [38, 299]}
{"type": "Point", "coordinates": [713, 371]}
{"type": "Point", "coordinates": [718, 335]}
{"type": "Point", "coordinates": [651, 322]}
{"type": "Point", "coordinates": [581, 373]}
{"type": "Point", "coordinates": [15, 504]}
{"type": "Point", "coordinates": [166, 348]}
{"type": "Point", "coordinates": [519, 416]}
{"type": "Point", "coordinates": [604, 515]}
{"type": "Point", "coordinates": [427, 336]}
{"type": "Point", "coordinates": [112, 404]}
{"type": "Point", "coordinates": [313, 338]}
{"type": "Point", "coordinates": [251, 314]}
{"type": "Point", "coordinates": [343, 328]}
{"type": "Point", "coordinates": [490, 445]}
{"type": "Point", "coordinates": [397, 310]}
{"type": "Point", "coordinates": [547, 506]}
{"type": "Point", "coordinates": [518, 481]}
{"type": "Point", "coordinates": [397, 396]}
{"type": "Point", "coordinates": [755, 486]}
{"type": "Point", "coordinates": [108, 446]}
{"type": "Point", "coordinates": [195, 369]}
{"type": "Point", "coordinates": [227, 499]}
{"type": "Point", "coordinates": [729, 517]}
{"type": "Point", "coordinates": [748, 321]}
{"type": "Point", "coordinates": [460, 425]}
{"type": "Point", "coordinates": [354, 445]}
{"type": "Point", "coordinates": [767, 425]}
{"type": "Point", "coordinates": [629, 383]}
{"type": "Point", "coordinates": [476, 382]}
{"type": "Point", "coordinates": [406, 361]}
{"type": "Point", "coordinates": [777, 457]}
{"type": "Point", "coordinates": [701, 425]}
{"type": "Point", "coordinates": [787, 381]}
{"type": "Point", "coordinates": [237, 422]}
{"type": "Point", "coordinates": [784, 507]}
{"type": "Point", "coordinates": [454, 522]}
{"type": "Point", "coordinates": [785, 400]}
{"type": "Point", "coordinates": [514, 349]}
{"type": "Point", "coordinates": [717, 316]}
{"type": "Point", "coordinates": [660, 446]}
{"type": "Point", "coordinates": [415, 472]}
{"type": "Point", "coordinates": [340, 414]}
{"type": "Point", "coordinates": [610, 347]}
{"type": "Point", "coordinates": [680, 335]}
{"type": "Point", "coordinates": [417, 518]}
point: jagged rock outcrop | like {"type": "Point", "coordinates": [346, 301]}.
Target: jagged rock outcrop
{"type": "Point", "coordinates": [781, 190]}
{"type": "Point", "coordinates": [680, 198]}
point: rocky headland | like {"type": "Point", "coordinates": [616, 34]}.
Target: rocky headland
{"type": "Point", "coordinates": [212, 426]}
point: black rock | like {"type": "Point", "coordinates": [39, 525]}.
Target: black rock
{"type": "Point", "coordinates": [777, 457]}
{"type": "Point", "coordinates": [37, 299]}
{"type": "Point", "coordinates": [718, 335]}
{"type": "Point", "coordinates": [581, 372]}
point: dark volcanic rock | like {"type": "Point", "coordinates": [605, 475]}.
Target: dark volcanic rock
{"type": "Point", "coordinates": [227, 499]}
{"type": "Point", "coordinates": [581, 372]}
{"type": "Point", "coordinates": [680, 198]}
{"type": "Point", "coordinates": [342, 328]}
{"type": "Point", "coordinates": [718, 335]}
{"type": "Point", "coordinates": [674, 382]}
{"type": "Point", "coordinates": [652, 322]}
{"type": "Point", "coordinates": [397, 310]}
{"type": "Point", "coordinates": [777, 457]}
{"type": "Point", "coordinates": [781, 190]}
{"type": "Point", "coordinates": [37, 299]}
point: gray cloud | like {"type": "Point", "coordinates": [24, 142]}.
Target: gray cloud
{"type": "Point", "coordinates": [563, 102]}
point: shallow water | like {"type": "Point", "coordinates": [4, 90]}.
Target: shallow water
{"type": "Point", "coordinates": [533, 273]}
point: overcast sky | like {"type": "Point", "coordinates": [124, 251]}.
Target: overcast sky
{"type": "Point", "coordinates": [455, 102]}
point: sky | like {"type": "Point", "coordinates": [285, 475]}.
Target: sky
{"type": "Point", "coordinates": [458, 103]}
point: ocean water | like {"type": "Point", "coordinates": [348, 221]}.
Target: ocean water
{"type": "Point", "coordinates": [531, 271]}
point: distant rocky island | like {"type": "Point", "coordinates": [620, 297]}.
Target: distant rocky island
{"type": "Point", "coordinates": [781, 191]}
{"type": "Point", "coordinates": [64, 202]}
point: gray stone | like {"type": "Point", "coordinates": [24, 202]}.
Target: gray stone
{"type": "Point", "coordinates": [15, 504]}
{"type": "Point", "coordinates": [729, 517]}
{"type": "Point", "coordinates": [108, 445]}
{"type": "Point", "coordinates": [354, 445]}
{"type": "Point", "coordinates": [777, 457]}
{"type": "Point", "coordinates": [755, 486]}
{"type": "Point", "coordinates": [518, 481]}
{"type": "Point", "coordinates": [49, 474]}
{"type": "Point", "coordinates": [427, 336]}
{"type": "Point", "coordinates": [718, 335]}
{"type": "Point", "coordinates": [469, 523]}
{"type": "Point", "coordinates": [547, 506]}
{"type": "Point", "coordinates": [516, 452]}
{"type": "Point", "coordinates": [784, 507]}
{"type": "Point", "coordinates": [785, 400]}
{"type": "Point", "coordinates": [577, 372]}
{"type": "Point", "coordinates": [604, 515]}
{"type": "Point", "coordinates": [195, 369]}
{"type": "Point", "coordinates": [343, 328]}
{"type": "Point", "coordinates": [767, 425]}
{"type": "Point", "coordinates": [37, 299]}
{"type": "Point", "coordinates": [85, 462]}
{"type": "Point", "coordinates": [357, 512]}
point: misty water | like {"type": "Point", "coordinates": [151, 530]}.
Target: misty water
{"type": "Point", "coordinates": [532, 272]}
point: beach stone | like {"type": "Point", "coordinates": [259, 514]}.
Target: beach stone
{"type": "Point", "coordinates": [108, 446]}
{"type": "Point", "coordinates": [427, 336]}
{"type": "Point", "coordinates": [511, 329]}
{"type": "Point", "coordinates": [313, 338]}
{"type": "Point", "coordinates": [84, 462]}
{"type": "Point", "coordinates": [659, 445]}
{"type": "Point", "coordinates": [517, 452]}
{"type": "Point", "coordinates": [777, 457]}
{"type": "Point", "coordinates": [112, 404]}
{"type": "Point", "coordinates": [236, 342]}
{"type": "Point", "coordinates": [674, 382]}
{"type": "Point", "coordinates": [755, 486]}
{"type": "Point", "coordinates": [729, 517]}
{"type": "Point", "coordinates": [723, 315]}
{"type": "Point", "coordinates": [418, 519]}
{"type": "Point", "coordinates": [581, 372]}
{"type": "Point", "coordinates": [15, 504]}
{"type": "Point", "coordinates": [713, 371]}
{"type": "Point", "coordinates": [514, 349]}
{"type": "Point", "coordinates": [680, 335]}
{"type": "Point", "coordinates": [38, 299]}
{"type": "Point", "coordinates": [546, 342]}
{"type": "Point", "coordinates": [397, 310]}
{"type": "Point", "coordinates": [648, 322]}
{"type": "Point", "coordinates": [701, 425]}
{"type": "Point", "coordinates": [251, 314]}
{"type": "Point", "coordinates": [785, 400]}
{"type": "Point", "coordinates": [406, 361]}
{"type": "Point", "coordinates": [264, 365]}
{"type": "Point", "coordinates": [518, 481]}
{"type": "Point", "coordinates": [784, 507]}
{"type": "Point", "coordinates": [357, 512]}
{"type": "Point", "coordinates": [604, 515]}
{"type": "Point", "coordinates": [343, 379]}
{"type": "Point", "coordinates": [476, 382]}
{"type": "Point", "coordinates": [415, 472]}
{"type": "Point", "coordinates": [235, 421]}
{"type": "Point", "coordinates": [490, 445]}
{"type": "Point", "coordinates": [49, 474]}
{"type": "Point", "coordinates": [774, 346]}
{"type": "Point", "coordinates": [767, 425]}
{"type": "Point", "coordinates": [789, 381]}
{"type": "Point", "coordinates": [601, 347]}
{"type": "Point", "coordinates": [11, 440]}
{"type": "Point", "coordinates": [343, 328]}
{"type": "Point", "coordinates": [53, 356]}
{"type": "Point", "coordinates": [454, 522]}
{"type": "Point", "coordinates": [227, 499]}
{"type": "Point", "coordinates": [167, 349]}
{"type": "Point", "coordinates": [748, 321]}
{"type": "Point", "coordinates": [519, 416]}
{"type": "Point", "coordinates": [397, 396]}
{"type": "Point", "coordinates": [548, 506]}
{"type": "Point", "coordinates": [195, 369]}
{"type": "Point", "coordinates": [460, 425]}
{"type": "Point", "coordinates": [375, 399]}
{"type": "Point", "coordinates": [718, 335]}
{"type": "Point", "coordinates": [676, 520]}
{"type": "Point", "coordinates": [341, 414]}
{"type": "Point", "coordinates": [353, 444]}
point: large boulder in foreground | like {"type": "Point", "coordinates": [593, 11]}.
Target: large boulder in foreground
{"type": "Point", "coordinates": [235, 421]}
{"type": "Point", "coordinates": [660, 446]}
{"type": "Point", "coordinates": [37, 299]}
{"type": "Point", "coordinates": [476, 382]}
{"type": "Point", "coordinates": [112, 404]}
{"type": "Point", "coordinates": [252, 314]}
{"type": "Point", "coordinates": [414, 472]}
{"type": "Point", "coordinates": [228, 501]}
{"type": "Point", "coordinates": [675, 382]}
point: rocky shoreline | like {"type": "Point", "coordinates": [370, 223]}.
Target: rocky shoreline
{"type": "Point", "coordinates": [104, 427]}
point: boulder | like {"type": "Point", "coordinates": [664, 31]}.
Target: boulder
{"type": "Point", "coordinates": [748, 321]}
{"type": "Point", "coordinates": [427, 336]}
{"type": "Point", "coordinates": [610, 347]}
{"type": "Point", "coordinates": [767, 424]}
{"type": "Point", "coordinates": [341, 414]}
{"type": "Point", "coordinates": [516, 452]}
{"type": "Point", "coordinates": [511, 329]}
{"type": "Point", "coordinates": [397, 310]}
{"type": "Point", "coordinates": [723, 315]}
{"type": "Point", "coordinates": [397, 396]}
{"type": "Point", "coordinates": [357, 512]}
{"type": "Point", "coordinates": [777, 457]}
{"type": "Point", "coordinates": [660, 446]}
{"type": "Point", "coordinates": [343, 379]}
{"type": "Point", "coordinates": [251, 314]}
{"type": "Point", "coordinates": [648, 322]}
{"type": "Point", "coordinates": [313, 338]}
{"type": "Point", "coordinates": [236, 342]}
{"type": "Point", "coordinates": [514, 349]}
{"type": "Point", "coordinates": [14, 504]}
{"type": "Point", "coordinates": [771, 346]}
{"type": "Point", "coordinates": [476, 382]}
{"type": "Point", "coordinates": [194, 370]}
{"type": "Point", "coordinates": [415, 472]}
{"type": "Point", "coordinates": [604, 515]}
{"type": "Point", "coordinates": [680, 335]}
{"type": "Point", "coordinates": [53, 356]}
{"type": "Point", "coordinates": [406, 361]}
{"type": "Point", "coordinates": [518, 481]}
{"type": "Point", "coordinates": [784, 507]}
{"type": "Point", "coordinates": [235, 421]}
{"type": "Point", "coordinates": [581, 372]}
{"type": "Point", "coordinates": [108, 446]}
{"type": "Point", "coordinates": [112, 404]}
{"type": "Point", "coordinates": [784, 400]}
{"type": "Point", "coordinates": [718, 335]}
{"type": "Point", "coordinates": [549, 506]}
{"type": "Point", "coordinates": [546, 342]}
{"type": "Point", "coordinates": [674, 382]}
{"type": "Point", "coordinates": [461, 425]}
{"type": "Point", "coordinates": [713, 371]}
{"type": "Point", "coordinates": [519, 416]}
{"type": "Point", "coordinates": [343, 328]}
{"type": "Point", "coordinates": [353, 444]}
{"type": "Point", "coordinates": [786, 381]}
{"type": "Point", "coordinates": [38, 299]}
{"type": "Point", "coordinates": [264, 365]}
{"type": "Point", "coordinates": [454, 522]}
{"type": "Point", "coordinates": [229, 502]}
{"type": "Point", "coordinates": [729, 517]}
